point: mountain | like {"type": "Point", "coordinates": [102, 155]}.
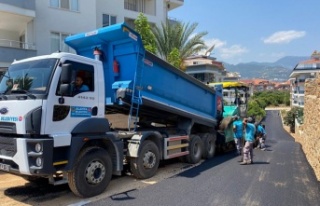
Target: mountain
{"type": "Point", "coordinates": [276, 71]}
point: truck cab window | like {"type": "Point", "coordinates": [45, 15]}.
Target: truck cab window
{"type": "Point", "coordinates": [82, 79]}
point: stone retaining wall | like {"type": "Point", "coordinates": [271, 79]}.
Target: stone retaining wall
{"type": "Point", "coordinates": [310, 130]}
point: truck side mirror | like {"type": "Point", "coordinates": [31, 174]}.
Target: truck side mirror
{"type": "Point", "coordinates": [66, 74]}
{"type": "Point", "coordinates": [65, 80]}
{"type": "Point", "coordinates": [65, 90]}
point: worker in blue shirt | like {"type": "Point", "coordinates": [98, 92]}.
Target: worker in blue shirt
{"type": "Point", "coordinates": [250, 130]}
{"type": "Point", "coordinates": [238, 133]}
{"type": "Point", "coordinates": [261, 135]}
{"type": "Point", "coordinates": [79, 86]}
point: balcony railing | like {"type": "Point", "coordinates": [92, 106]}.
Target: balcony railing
{"type": "Point", "coordinates": [131, 6]}
{"type": "Point", "coordinates": [16, 44]}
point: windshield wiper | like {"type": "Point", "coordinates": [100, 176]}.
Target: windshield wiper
{"type": "Point", "coordinates": [22, 91]}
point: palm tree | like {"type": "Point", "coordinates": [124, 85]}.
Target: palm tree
{"type": "Point", "coordinates": [177, 36]}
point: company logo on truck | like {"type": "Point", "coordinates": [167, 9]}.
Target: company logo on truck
{"type": "Point", "coordinates": [81, 111]}
{"type": "Point", "coordinates": [4, 110]}
{"type": "Point", "coordinates": [10, 119]}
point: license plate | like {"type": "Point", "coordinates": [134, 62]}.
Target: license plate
{"type": "Point", "coordinates": [4, 167]}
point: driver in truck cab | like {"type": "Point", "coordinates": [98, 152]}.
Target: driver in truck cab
{"type": "Point", "coordinates": [79, 86]}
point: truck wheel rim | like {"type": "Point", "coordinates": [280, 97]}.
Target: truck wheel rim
{"type": "Point", "coordinates": [95, 172]}
{"type": "Point", "coordinates": [149, 160]}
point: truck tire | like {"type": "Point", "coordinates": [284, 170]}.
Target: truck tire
{"type": "Point", "coordinates": [209, 145]}
{"type": "Point", "coordinates": [147, 163]}
{"type": "Point", "coordinates": [195, 149]}
{"type": "Point", "coordinates": [91, 173]}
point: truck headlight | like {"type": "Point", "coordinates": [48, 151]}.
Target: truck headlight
{"type": "Point", "coordinates": [38, 147]}
{"type": "Point", "coordinates": [39, 161]}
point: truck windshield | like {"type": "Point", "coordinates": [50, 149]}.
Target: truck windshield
{"type": "Point", "coordinates": [28, 77]}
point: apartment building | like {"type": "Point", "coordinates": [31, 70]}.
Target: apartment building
{"type": "Point", "coordinates": [260, 85]}
{"type": "Point", "coordinates": [205, 68]}
{"type": "Point", "coordinates": [302, 71]}
{"type": "Point", "coordinates": [37, 27]}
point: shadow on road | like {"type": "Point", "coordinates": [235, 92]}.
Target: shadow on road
{"type": "Point", "coordinates": [123, 196]}
{"type": "Point", "coordinates": [217, 160]}
{"type": "Point", "coordinates": [36, 193]}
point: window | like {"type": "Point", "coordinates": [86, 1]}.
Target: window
{"type": "Point", "coordinates": [31, 76]}
{"type": "Point", "coordinates": [86, 74]}
{"type": "Point", "coordinates": [200, 76]}
{"type": "Point", "coordinates": [72, 5]}
{"type": "Point", "coordinates": [108, 20]}
{"type": "Point", "coordinates": [131, 5]}
{"type": "Point", "coordinates": [57, 42]}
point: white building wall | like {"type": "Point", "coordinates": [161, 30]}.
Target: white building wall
{"type": "Point", "coordinates": [114, 8]}
{"type": "Point", "coordinates": [30, 35]}
{"type": "Point", "coordinates": [50, 19]}
{"type": "Point", "coordinates": [36, 25]}
{"type": "Point", "coordinates": [88, 18]}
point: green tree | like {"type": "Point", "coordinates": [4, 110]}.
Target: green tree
{"type": "Point", "coordinates": [272, 98]}
{"type": "Point", "coordinates": [291, 116]}
{"type": "Point", "coordinates": [172, 36]}
{"type": "Point", "coordinates": [174, 58]}
{"type": "Point", "coordinates": [254, 110]}
{"type": "Point", "coordinates": [24, 83]}
{"type": "Point", "coordinates": [142, 26]}
{"type": "Point", "coordinates": [260, 100]}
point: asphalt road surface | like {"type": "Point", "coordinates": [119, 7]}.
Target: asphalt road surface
{"type": "Point", "coordinates": [279, 176]}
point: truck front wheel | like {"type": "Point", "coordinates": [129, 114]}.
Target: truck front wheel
{"type": "Point", "coordinates": [147, 163]}
{"type": "Point", "coordinates": [92, 172]}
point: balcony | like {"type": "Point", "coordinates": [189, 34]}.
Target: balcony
{"type": "Point", "coordinates": [149, 7]}
{"type": "Point", "coordinates": [172, 4]}
{"type": "Point", "coordinates": [30, 4]}
{"type": "Point", "coordinates": [16, 33]}
{"type": "Point", "coordinates": [11, 53]}
{"type": "Point", "coordinates": [16, 44]}
{"type": "Point", "coordinates": [146, 7]}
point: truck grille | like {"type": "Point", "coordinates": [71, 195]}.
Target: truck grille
{"type": "Point", "coordinates": [7, 146]}
{"type": "Point", "coordinates": [8, 128]}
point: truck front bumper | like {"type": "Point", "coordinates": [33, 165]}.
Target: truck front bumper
{"type": "Point", "coordinates": [26, 156]}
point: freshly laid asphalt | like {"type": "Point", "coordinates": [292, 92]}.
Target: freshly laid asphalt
{"type": "Point", "coordinates": [279, 176]}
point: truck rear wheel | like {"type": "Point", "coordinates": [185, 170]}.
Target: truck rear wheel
{"type": "Point", "coordinates": [195, 149]}
{"type": "Point", "coordinates": [92, 172]}
{"type": "Point", "coordinates": [147, 163]}
{"type": "Point", "coordinates": [209, 145]}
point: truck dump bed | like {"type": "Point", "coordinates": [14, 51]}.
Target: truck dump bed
{"type": "Point", "coordinates": [142, 82]}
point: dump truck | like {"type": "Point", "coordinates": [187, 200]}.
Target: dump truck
{"type": "Point", "coordinates": [49, 131]}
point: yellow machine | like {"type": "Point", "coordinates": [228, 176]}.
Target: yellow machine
{"type": "Point", "coordinates": [235, 103]}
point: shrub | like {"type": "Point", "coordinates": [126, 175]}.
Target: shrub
{"type": "Point", "coordinates": [290, 117]}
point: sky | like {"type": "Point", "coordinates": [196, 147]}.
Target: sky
{"type": "Point", "coordinates": [254, 30]}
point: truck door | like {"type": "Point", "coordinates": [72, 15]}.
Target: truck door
{"type": "Point", "coordinates": [66, 111]}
